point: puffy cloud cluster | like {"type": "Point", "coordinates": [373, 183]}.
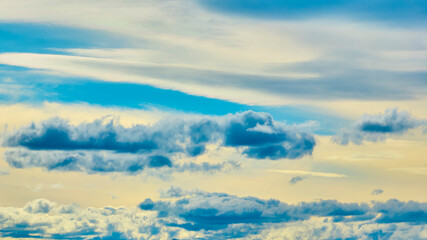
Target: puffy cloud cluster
{"type": "Point", "coordinates": [73, 222]}
{"type": "Point", "coordinates": [106, 146]}
{"type": "Point", "coordinates": [378, 127]}
{"type": "Point", "coordinates": [39, 206]}
{"type": "Point", "coordinates": [198, 214]}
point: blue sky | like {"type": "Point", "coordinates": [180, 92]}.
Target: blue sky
{"type": "Point", "coordinates": [213, 119]}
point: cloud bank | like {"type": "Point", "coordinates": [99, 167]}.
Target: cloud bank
{"type": "Point", "coordinates": [106, 146]}
{"type": "Point", "coordinates": [204, 215]}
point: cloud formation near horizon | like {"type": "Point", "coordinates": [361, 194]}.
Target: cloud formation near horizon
{"type": "Point", "coordinates": [378, 127]}
{"type": "Point", "coordinates": [198, 214]}
{"type": "Point", "coordinates": [210, 211]}
{"type": "Point", "coordinates": [104, 146]}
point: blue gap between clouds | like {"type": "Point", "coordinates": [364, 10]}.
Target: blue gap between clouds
{"type": "Point", "coordinates": [109, 94]}
{"type": "Point", "coordinates": [44, 38]}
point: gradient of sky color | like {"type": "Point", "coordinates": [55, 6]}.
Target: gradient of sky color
{"type": "Point", "coordinates": [213, 119]}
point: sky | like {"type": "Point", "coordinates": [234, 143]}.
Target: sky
{"type": "Point", "coordinates": [213, 119]}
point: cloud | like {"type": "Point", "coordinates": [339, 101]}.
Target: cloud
{"type": "Point", "coordinates": [377, 192]}
{"type": "Point", "coordinates": [296, 180]}
{"type": "Point", "coordinates": [213, 211]}
{"type": "Point", "coordinates": [57, 186]}
{"type": "Point", "coordinates": [308, 173]}
{"type": "Point", "coordinates": [199, 214]}
{"type": "Point", "coordinates": [266, 138]}
{"type": "Point", "coordinates": [378, 127]}
{"type": "Point", "coordinates": [41, 186]}
{"type": "Point", "coordinates": [106, 146]}
{"type": "Point", "coordinates": [227, 215]}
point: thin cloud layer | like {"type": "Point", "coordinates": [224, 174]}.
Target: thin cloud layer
{"type": "Point", "coordinates": [198, 214]}
{"type": "Point", "coordinates": [378, 127]}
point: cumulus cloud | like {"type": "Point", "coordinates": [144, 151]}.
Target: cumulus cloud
{"type": "Point", "coordinates": [378, 127]}
{"type": "Point", "coordinates": [106, 146]}
{"type": "Point", "coordinates": [106, 162]}
{"type": "Point", "coordinates": [204, 215]}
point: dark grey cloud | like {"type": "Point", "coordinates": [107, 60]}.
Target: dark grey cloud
{"type": "Point", "coordinates": [104, 146]}
{"type": "Point", "coordinates": [378, 127]}
{"type": "Point", "coordinates": [39, 206]}
{"type": "Point", "coordinates": [4, 172]}
{"type": "Point", "coordinates": [360, 82]}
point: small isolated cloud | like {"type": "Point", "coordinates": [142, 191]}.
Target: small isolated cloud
{"type": "Point", "coordinates": [378, 127]}
{"type": "Point", "coordinates": [308, 173]}
{"type": "Point", "coordinates": [39, 206]}
{"type": "Point", "coordinates": [106, 146]}
{"type": "Point", "coordinates": [377, 192]}
{"type": "Point", "coordinates": [37, 188]}
{"type": "Point", "coordinates": [296, 179]}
